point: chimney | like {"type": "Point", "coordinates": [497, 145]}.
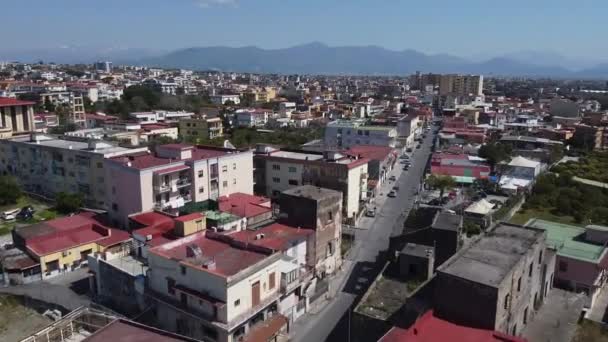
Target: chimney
{"type": "Point", "coordinates": [193, 251]}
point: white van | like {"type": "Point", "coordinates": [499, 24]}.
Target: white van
{"type": "Point", "coordinates": [10, 215]}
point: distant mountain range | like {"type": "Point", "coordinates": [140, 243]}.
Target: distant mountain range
{"type": "Point", "coordinates": [318, 58]}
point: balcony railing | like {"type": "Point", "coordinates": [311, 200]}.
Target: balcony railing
{"type": "Point", "coordinates": [183, 182]}
{"type": "Point", "coordinates": [162, 188]}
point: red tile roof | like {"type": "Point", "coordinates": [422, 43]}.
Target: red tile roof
{"type": "Point", "coordinates": [244, 205]}
{"type": "Point", "coordinates": [190, 217]}
{"type": "Point", "coordinates": [229, 260]}
{"type": "Point", "coordinates": [69, 232]}
{"type": "Point", "coordinates": [122, 330]}
{"type": "Point", "coordinates": [144, 160]}
{"type": "Point", "coordinates": [278, 237]}
{"type": "Point", "coordinates": [157, 225]}
{"type": "Point", "coordinates": [180, 147]}
{"type": "Point", "coordinates": [429, 328]}
{"type": "Point", "coordinates": [370, 152]}
{"type": "Point", "coordinates": [93, 116]}
{"type": "Point", "coordinates": [267, 330]}
{"type": "Point", "coordinates": [7, 102]}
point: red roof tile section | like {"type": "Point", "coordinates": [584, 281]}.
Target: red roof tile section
{"type": "Point", "coordinates": [267, 330]}
{"type": "Point", "coordinates": [244, 205]}
{"type": "Point", "coordinates": [370, 152]}
{"type": "Point", "coordinates": [429, 328]}
{"type": "Point", "coordinates": [144, 160]}
{"type": "Point", "coordinates": [278, 237]}
{"type": "Point", "coordinates": [190, 217]}
{"type": "Point", "coordinates": [69, 232]}
{"type": "Point", "coordinates": [7, 102]}
{"type": "Point", "coordinates": [229, 258]}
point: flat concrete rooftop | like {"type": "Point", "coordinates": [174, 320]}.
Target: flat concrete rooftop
{"type": "Point", "coordinates": [490, 259]}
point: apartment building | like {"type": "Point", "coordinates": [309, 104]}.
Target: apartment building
{"type": "Point", "coordinates": [278, 170]}
{"type": "Point", "coordinates": [172, 176]}
{"type": "Point", "coordinates": [252, 117]}
{"type": "Point", "coordinates": [213, 288]}
{"type": "Point", "coordinates": [461, 85]}
{"type": "Point", "coordinates": [160, 116]}
{"type": "Point", "coordinates": [223, 99]}
{"type": "Point", "coordinates": [498, 282]}
{"type": "Point", "coordinates": [201, 128]}
{"type": "Point", "coordinates": [16, 117]}
{"type": "Point", "coordinates": [344, 134]}
{"type": "Point", "coordinates": [46, 165]}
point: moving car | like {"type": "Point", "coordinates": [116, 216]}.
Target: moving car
{"type": "Point", "coordinates": [392, 178]}
{"type": "Point", "coordinates": [370, 213]}
{"type": "Point", "coordinates": [406, 167]}
{"type": "Point", "coordinates": [392, 194]}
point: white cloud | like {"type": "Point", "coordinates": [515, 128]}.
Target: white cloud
{"type": "Point", "coordinates": [214, 3]}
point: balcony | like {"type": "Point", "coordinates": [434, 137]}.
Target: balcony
{"type": "Point", "coordinates": [162, 188]}
{"type": "Point", "coordinates": [183, 182]}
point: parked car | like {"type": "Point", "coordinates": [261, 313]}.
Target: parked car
{"type": "Point", "coordinates": [418, 146]}
{"type": "Point", "coordinates": [392, 194]}
{"type": "Point", "coordinates": [10, 215]}
{"type": "Point", "coordinates": [395, 188]}
{"type": "Point", "coordinates": [404, 156]}
{"type": "Point", "coordinates": [392, 178]}
{"type": "Point", "coordinates": [409, 149]}
{"type": "Point", "coordinates": [406, 167]}
{"type": "Point", "coordinates": [370, 213]}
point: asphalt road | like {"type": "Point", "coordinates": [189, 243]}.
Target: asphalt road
{"type": "Point", "coordinates": [371, 239]}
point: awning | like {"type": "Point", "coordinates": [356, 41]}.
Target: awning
{"type": "Point", "coordinates": [172, 169]}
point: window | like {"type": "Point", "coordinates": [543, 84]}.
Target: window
{"type": "Point", "coordinates": [99, 165]}
{"type": "Point", "coordinates": [293, 182]}
{"type": "Point", "coordinates": [506, 303]}
{"type": "Point", "coordinates": [276, 166]}
{"type": "Point", "coordinates": [225, 168]}
{"type": "Point", "coordinates": [114, 206]}
{"type": "Point", "coordinates": [530, 269]}
{"type": "Point", "coordinates": [182, 269]}
{"type": "Point", "coordinates": [525, 319]}
{"type": "Point", "coordinates": [540, 257]}
{"type": "Point", "coordinates": [367, 133]}
{"type": "Point", "coordinates": [234, 166]}
{"type": "Point", "coordinates": [234, 181]}
{"type": "Point", "coordinates": [519, 284]}
{"type": "Point", "coordinates": [331, 216]}
{"type": "Point", "coordinates": [201, 189]}
{"type": "Point", "coordinates": [201, 173]}
{"type": "Point", "coordinates": [276, 179]}
{"type": "Point", "coordinates": [292, 169]}
{"type": "Point", "coordinates": [330, 249]}
{"type": "Point", "coordinates": [563, 266]}
{"type": "Point", "coordinates": [271, 280]}
{"type": "Point", "coordinates": [171, 286]}
{"type": "Point", "coordinates": [237, 302]}
{"type": "Point", "coordinates": [359, 132]}
{"type": "Point", "coordinates": [225, 184]}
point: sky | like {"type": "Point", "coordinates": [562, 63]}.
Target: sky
{"type": "Point", "coordinates": [459, 27]}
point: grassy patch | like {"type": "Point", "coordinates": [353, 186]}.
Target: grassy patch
{"type": "Point", "coordinates": [524, 215]}
{"type": "Point", "coordinates": [18, 321]}
{"type": "Point", "coordinates": [43, 212]}
{"type": "Point", "coordinates": [588, 331]}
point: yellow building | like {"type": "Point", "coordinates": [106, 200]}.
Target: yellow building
{"type": "Point", "coordinates": [63, 244]}
{"type": "Point", "coordinates": [200, 128]}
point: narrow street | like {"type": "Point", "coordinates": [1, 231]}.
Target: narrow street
{"type": "Point", "coordinates": [372, 237]}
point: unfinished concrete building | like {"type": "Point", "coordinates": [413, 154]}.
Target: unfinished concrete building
{"type": "Point", "coordinates": [498, 282]}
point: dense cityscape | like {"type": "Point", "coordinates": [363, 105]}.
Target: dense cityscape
{"type": "Point", "coordinates": [158, 204]}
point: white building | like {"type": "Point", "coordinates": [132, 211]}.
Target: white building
{"type": "Point", "coordinates": [211, 289]}
{"type": "Point", "coordinates": [222, 99]}
{"type": "Point", "coordinates": [344, 134]}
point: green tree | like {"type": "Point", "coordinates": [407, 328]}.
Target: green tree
{"type": "Point", "coordinates": [10, 191]}
{"type": "Point", "coordinates": [441, 182]}
{"type": "Point", "coordinates": [495, 153]}
{"type": "Point", "coordinates": [150, 97]}
{"type": "Point", "coordinates": [68, 202]}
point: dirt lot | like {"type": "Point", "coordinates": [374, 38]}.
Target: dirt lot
{"type": "Point", "coordinates": [18, 321]}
